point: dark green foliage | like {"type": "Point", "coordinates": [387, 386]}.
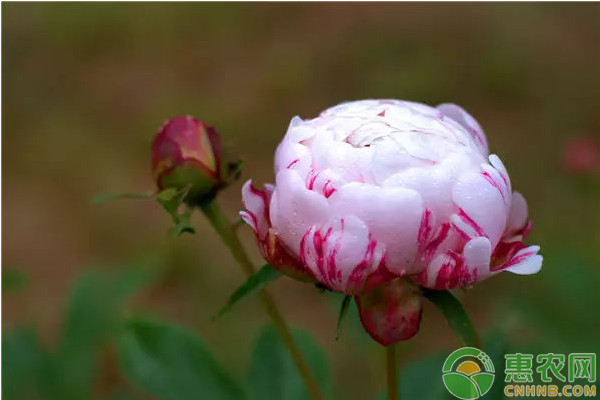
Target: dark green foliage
{"type": "Point", "coordinates": [273, 374]}
{"type": "Point", "coordinates": [92, 317]}
{"type": "Point", "coordinates": [22, 359]}
{"type": "Point", "coordinates": [13, 279]}
{"type": "Point", "coordinates": [172, 363]}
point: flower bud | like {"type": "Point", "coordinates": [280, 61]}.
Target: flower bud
{"type": "Point", "coordinates": [392, 312]}
{"type": "Point", "coordinates": [186, 154]}
{"type": "Point", "coordinates": [581, 156]}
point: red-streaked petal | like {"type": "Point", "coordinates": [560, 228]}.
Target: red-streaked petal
{"type": "Point", "coordinates": [494, 177]}
{"type": "Point", "coordinates": [276, 254]}
{"type": "Point", "coordinates": [343, 255]}
{"type": "Point", "coordinates": [256, 202]}
{"type": "Point", "coordinates": [452, 269]}
{"type": "Point", "coordinates": [482, 209]}
{"type": "Point", "coordinates": [525, 262]}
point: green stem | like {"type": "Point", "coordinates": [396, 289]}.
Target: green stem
{"type": "Point", "coordinates": [224, 228]}
{"type": "Point", "coordinates": [392, 372]}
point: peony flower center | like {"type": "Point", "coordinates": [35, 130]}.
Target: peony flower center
{"type": "Point", "coordinates": [370, 132]}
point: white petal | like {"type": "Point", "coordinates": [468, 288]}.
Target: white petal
{"type": "Point", "coordinates": [477, 253]}
{"type": "Point", "coordinates": [391, 157]}
{"type": "Point", "coordinates": [392, 215]}
{"type": "Point", "coordinates": [517, 216]}
{"type": "Point", "coordinates": [298, 131]}
{"type": "Point", "coordinates": [469, 123]}
{"type": "Point", "coordinates": [290, 155]}
{"type": "Point", "coordinates": [349, 162]}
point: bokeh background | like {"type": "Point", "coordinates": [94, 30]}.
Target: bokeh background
{"type": "Point", "coordinates": [85, 87]}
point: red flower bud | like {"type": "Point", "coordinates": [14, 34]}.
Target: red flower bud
{"type": "Point", "coordinates": [186, 153]}
{"type": "Point", "coordinates": [581, 156]}
{"type": "Point", "coordinates": [392, 312]}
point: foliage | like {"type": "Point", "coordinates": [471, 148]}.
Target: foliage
{"type": "Point", "coordinates": [13, 279]}
{"type": "Point", "coordinates": [273, 374]}
{"type": "Point", "coordinates": [92, 317]}
{"type": "Point", "coordinates": [160, 359]}
{"type": "Point", "coordinates": [172, 363]}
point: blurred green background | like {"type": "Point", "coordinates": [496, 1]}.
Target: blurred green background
{"type": "Point", "coordinates": [85, 87]}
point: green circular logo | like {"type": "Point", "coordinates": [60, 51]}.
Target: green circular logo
{"type": "Point", "coordinates": [468, 373]}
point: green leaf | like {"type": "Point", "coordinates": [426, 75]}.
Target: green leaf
{"type": "Point", "coordinates": [172, 363]}
{"type": "Point", "coordinates": [97, 299]}
{"type": "Point", "coordinates": [93, 317]}
{"type": "Point", "coordinates": [22, 360]}
{"type": "Point", "coordinates": [255, 282]}
{"type": "Point", "coordinates": [104, 198]}
{"type": "Point", "coordinates": [342, 315]}
{"type": "Point", "coordinates": [456, 315]}
{"type": "Point", "coordinates": [273, 374]}
{"type": "Point", "coordinates": [422, 380]}
{"type": "Point", "coordinates": [13, 279]}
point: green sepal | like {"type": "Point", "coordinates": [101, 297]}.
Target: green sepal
{"type": "Point", "coordinates": [232, 171]}
{"type": "Point", "coordinates": [342, 315]}
{"type": "Point", "coordinates": [171, 201]}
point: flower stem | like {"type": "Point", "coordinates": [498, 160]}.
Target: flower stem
{"type": "Point", "coordinates": [224, 228]}
{"type": "Point", "coordinates": [392, 372]}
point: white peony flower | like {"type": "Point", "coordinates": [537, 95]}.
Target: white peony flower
{"type": "Point", "coordinates": [373, 190]}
